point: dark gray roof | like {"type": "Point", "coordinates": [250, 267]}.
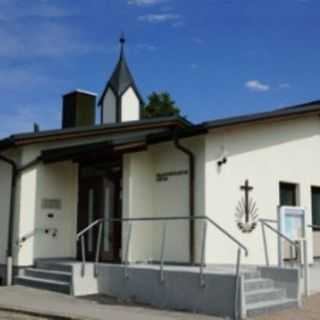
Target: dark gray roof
{"type": "Point", "coordinates": [188, 129]}
{"type": "Point", "coordinates": [297, 110]}
{"type": "Point", "coordinates": [94, 130]}
{"type": "Point", "coordinates": [121, 80]}
{"type": "Point", "coordinates": [71, 152]}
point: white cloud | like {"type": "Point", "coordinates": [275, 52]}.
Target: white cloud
{"type": "Point", "coordinates": [145, 2]}
{"type": "Point", "coordinates": [160, 18]}
{"type": "Point", "coordinates": [44, 40]}
{"type": "Point", "coordinates": [256, 85]}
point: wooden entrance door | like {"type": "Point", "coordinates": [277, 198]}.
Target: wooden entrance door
{"type": "Point", "coordinates": [98, 198]}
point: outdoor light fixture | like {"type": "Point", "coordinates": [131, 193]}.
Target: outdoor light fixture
{"type": "Point", "coordinates": [224, 160]}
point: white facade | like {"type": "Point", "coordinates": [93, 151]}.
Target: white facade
{"type": "Point", "coordinates": [265, 154]}
{"type": "Point", "coordinates": [129, 104]}
{"type": "Point", "coordinates": [109, 106]}
{"type": "Point", "coordinates": [145, 196]}
{"type": "Point", "coordinates": [39, 183]}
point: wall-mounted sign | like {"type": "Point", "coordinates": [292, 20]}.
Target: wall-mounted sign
{"type": "Point", "coordinates": [246, 210]}
{"type": "Point", "coordinates": [292, 222]}
{"type": "Point", "coordinates": [166, 175]}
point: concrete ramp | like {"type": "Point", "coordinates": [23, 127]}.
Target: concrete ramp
{"type": "Point", "coordinates": [217, 292]}
{"type": "Point", "coordinates": [261, 290]}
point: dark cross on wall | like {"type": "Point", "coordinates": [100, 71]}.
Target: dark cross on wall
{"type": "Point", "coordinates": [246, 188]}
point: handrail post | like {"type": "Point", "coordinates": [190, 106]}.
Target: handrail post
{"type": "Point", "coordinates": [126, 257]}
{"type": "Point", "coordinates": [305, 267]}
{"type": "Point", "coordinates": [266, 250]}
{"type": "Point", "coordinates": [237, 286]}
{"type": "Point", "coordinates": [203, 254]}
{"type": "Point", "coordinates": [83, 256]}
{"type": "Point", "coordinates": [98, 249]}
{"type": "Point", "coordinates": [163, 245]}
{"type": "Point", "coordinates": [280, 248]}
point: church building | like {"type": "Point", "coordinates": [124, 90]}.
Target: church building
{"type": "Point", "coordinates": [161, 193]}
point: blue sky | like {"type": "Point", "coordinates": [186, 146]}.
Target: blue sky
{"type": "Point", "coordinates": [217, 58]}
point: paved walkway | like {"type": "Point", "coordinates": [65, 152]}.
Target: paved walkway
{"type": "Point", "coordinates": [62, 306]}
{"type": "Point", "coordinates": [310, 311]}
{"type": "Point", "coordinates": [49, 305]}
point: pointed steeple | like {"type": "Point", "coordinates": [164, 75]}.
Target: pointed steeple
{"type": "Point", "coordinates": [121, 79]}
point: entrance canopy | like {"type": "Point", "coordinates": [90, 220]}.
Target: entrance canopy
{"type": "Point", "coordinates": [102, 150]}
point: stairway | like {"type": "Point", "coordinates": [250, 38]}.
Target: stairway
{"type": "Point", "coordinates": [263, 296]}
{"type": "Point", "coordinates": [47, 275]}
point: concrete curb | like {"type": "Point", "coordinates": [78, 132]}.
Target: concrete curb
{"type": "Point", "coordinates": [35, 313]}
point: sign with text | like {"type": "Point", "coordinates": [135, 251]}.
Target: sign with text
{"type": "Point", "coordinates": [166, 175]}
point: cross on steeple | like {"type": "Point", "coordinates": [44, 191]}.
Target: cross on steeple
{"type": "Point", "coordinates": [122, 43]}
{"type": "Point", "coordinates": [246, 188]}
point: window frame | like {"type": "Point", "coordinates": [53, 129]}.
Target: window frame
{"type": "Point", "coordinates": [296, 194]}
{"type": "Point", "coordinates": [311, 195]}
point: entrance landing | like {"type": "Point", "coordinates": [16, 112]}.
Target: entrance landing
{"type": "Point", "coordinates": [217, 292]}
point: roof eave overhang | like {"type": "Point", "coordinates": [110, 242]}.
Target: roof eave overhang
{"type": "Point", "coordinates": [266, 119]}
{"type": "Point", "coordinates": [6, 144]}
{"type": "Point", "coordinates": [88, 133]}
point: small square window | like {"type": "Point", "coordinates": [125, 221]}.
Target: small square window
{"type": "Point", "coordinates": [288, 194]}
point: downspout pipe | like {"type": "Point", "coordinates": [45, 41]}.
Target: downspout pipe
{"type": "Point", "coordinates": [191, 158]}
{"type": "Point", "coordinates": [15, 172]}
{"type": "Point", "coordinates": [14, 169]}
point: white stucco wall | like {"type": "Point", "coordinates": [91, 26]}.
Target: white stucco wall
{"type": "Point", "coordinates": [57, 181]}
{"type": "Point", "coordinates": [266, 154]}
{"type": "Point", "coordinates": [130, 106]}
{"type": "Point", "coordinates": [144, 196]}
{"type": "Point", "coordinates": [109, 107]}
{"type": "Point", "coordinates": [138, 202]}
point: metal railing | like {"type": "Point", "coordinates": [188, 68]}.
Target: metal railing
{"type": "Point", "coordinates": [314, 226]}
{"type": "Point", "coordinates": [300, 246]}
{"type": "Point", "coordinates": [81, 237]}
{"type": "Point", "coordinates": [48, 231]}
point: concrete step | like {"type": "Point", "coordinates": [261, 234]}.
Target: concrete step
{"type": "Point", "coordinates": [258, 284]}
{"type": "Point", "coordinates": [266, 307]}
{"type": "Point", "coordinates": [252, 275]}
{"type": "Point", "coordinates": [49, 274]}
{"type": "Point", "coordinates": [54, 266]}
{"type": "Point", "coordinates": [39, 283]}
{"type": "Point", "coordinates": [264, 295]}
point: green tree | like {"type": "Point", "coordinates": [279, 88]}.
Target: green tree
{"type": "Point", "coordinates": [160, 105]}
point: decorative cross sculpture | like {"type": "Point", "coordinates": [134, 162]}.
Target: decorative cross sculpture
{"type": "Point", "coordinates": [246, 188]}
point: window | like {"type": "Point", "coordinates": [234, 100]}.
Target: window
{"type": "Point", "coordinates": [288, 194]}
{"type": "Point", "coordinates": [315, 199]}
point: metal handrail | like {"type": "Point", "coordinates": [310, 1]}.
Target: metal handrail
{"type": "Point", "coordinates": [32, 234]}
{"type": "Point", "coordinates": [314, 226]}
{"type": "Point", "coordinates": [265, 223]}
{"type": "Point", "coordinates": [298, 244]}
{"type": "Point", "coordinates": [88, 228]}
{"type": "Point", "coordinates": [93, 224]}
{"type": "Point", "coordinates": [81, 237]}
